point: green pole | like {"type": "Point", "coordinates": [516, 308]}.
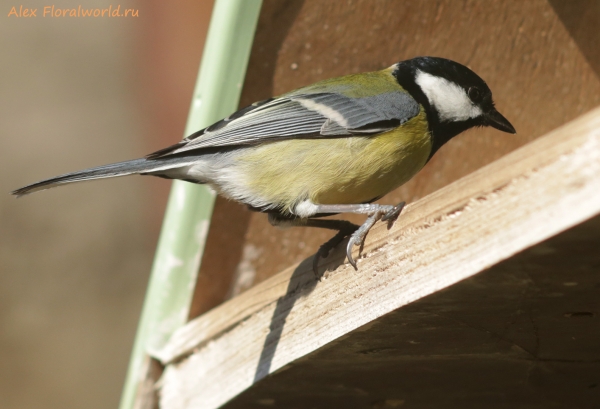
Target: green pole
{"type": "Point", "coordinates": [190, 207]}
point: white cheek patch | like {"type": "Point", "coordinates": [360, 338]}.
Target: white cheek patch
{"type": "Point", "coordinates": [450, 100]}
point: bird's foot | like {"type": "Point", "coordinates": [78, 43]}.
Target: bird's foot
{"type": "Point", "coordinates": [383, 213]}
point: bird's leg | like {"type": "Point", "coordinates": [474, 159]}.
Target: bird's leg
{"type": "Point", "coordinates": [375, 211]}
{"type": "Point", "coordinates": [357, 234]}
{"type": "Point", "coordinates": [344, 228]}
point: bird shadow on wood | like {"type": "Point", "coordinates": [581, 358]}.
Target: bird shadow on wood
{"type": "Point", "coordinates": [302, 282]}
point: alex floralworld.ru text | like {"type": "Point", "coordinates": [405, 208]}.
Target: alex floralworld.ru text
{"type": "Point", "coordinates": [52, 11]}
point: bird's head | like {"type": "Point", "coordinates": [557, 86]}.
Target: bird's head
{"type": "Point", "coordinates": [454, 97]}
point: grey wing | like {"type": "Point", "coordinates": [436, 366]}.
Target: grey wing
{"type": "Point", "coordinates": [319, 115]}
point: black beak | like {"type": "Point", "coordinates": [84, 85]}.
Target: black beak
{"type": "Point", "coordinates": [495, 119]}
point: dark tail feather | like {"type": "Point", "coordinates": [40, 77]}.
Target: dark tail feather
{"type": "Point", "coordinates": [106, 171]}
{"type": "Point", "coordinates": [164, 151]}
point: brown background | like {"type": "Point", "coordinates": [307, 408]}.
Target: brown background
{"type": "Point", "coordinates": [540, 59]}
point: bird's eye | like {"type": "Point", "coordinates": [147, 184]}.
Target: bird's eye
{"type": "Point", "coordinates": [475, 94]}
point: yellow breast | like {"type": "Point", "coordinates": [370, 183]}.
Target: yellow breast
{"type": "Point", "coordinates": [338, 170]}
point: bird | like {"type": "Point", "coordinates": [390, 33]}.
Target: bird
{"type": "Point", "coordinates": [332, 147]}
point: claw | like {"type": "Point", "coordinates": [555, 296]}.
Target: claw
{"type": "Point", "coordinates": [358, 237]}
{"type": "Point", "coordinates": [393, 214]}
{"type": "Point", "coordinates": [351, 244]}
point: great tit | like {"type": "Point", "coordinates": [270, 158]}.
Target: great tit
{"type": "Point", "coordinates": [332, 147]}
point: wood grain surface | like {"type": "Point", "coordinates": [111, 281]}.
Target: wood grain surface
{"type": "Point", "coordinates": [520, 200]}
{"type": "Point", "coordinates": [523, 334]}
{"type": "Point", "coordinates": [539, 58]}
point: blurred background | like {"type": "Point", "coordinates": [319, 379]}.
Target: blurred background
{"type": "Point", "coordinates": [74, 262]}
{"type": "Point", "coordinates": [79, 92]}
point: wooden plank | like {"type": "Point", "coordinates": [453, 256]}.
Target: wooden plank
{"type": "Point", "coordinates": [525, 197]}
{"type": "Point", "coordinates": [524, 334]}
